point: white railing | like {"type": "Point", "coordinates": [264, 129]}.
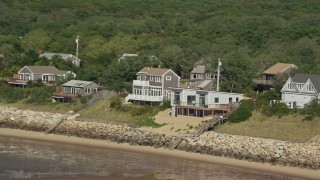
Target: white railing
{"type": "Point", "coordinates": [140, 83]}
{"type": "Point", "coordinates": [143, 98]}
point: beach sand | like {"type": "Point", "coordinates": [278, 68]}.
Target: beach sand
{"type": "Point", "coordinates": [175, 125]}
{"type": "Point", "coordinates": [264, 167]}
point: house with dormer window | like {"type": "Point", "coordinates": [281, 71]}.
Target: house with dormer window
{"type": "Point", "coordinates": [153, 85]}
{"type": "Point", "coordinates": [300, 90]}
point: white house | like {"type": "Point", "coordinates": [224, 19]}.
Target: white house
{"type": "Point", "coordinates": [300, 89]}
{"type": "Point", "coordinates": [200, 103]}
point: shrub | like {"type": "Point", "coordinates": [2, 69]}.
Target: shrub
{"type": "Point", "coordinates": [40, 94]}
{"type": "Point", "coordinates": [277, 109]}
{"type": "Point", "coordinates": [243, 113]}
{"type": "Point", "coordinates": [12, 95]}
{"type": "Point", "coordinates": [116, 103]}
{"type": "Point", "coordinates": [311, 109]}
{"type": "Point", "coordinates": [148, 121]}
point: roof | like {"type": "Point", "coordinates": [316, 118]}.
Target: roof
{"type": "Point", "coordinates": [204, 83]}
{"type": "Point", "coordinates": [77, 83]}
{"type": "Point", "coordinates": [198, 70]}
{"type": "Point", "coordinates": [125, 55]}
{"type": "Point", "coordinates": [153, 71]}
{"type": "Point", "coordinates": [63, 56]}
{"type": "Point", "coordinates": [279, 68]}
{"type": "Point", "coordinates": [303, 78]}
{"type": "Point", "coordinates": [46, 70]}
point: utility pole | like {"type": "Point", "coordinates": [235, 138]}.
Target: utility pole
{"type": "Point", "coordinates": [77, 50]}
{"type": "Point", "coordinates": [218, 76]}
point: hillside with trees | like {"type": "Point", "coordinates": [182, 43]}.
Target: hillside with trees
{"type": "Point", "coordinates": [249, 36]}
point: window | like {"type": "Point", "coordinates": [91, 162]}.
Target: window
{"type": "Point", "coordinates": [237, 99]}
{"type": "Point", "coordinates": [138, 77]}
{"type": "Point", "coordinates": [151, 78]}
{"type": "Point", "coordinates": [157, 79]}
{"type": "Point", "coordinates": [168, 78]}
{"type": "Point", "coordinates": [191, 100]}
{"type": "Point", "coordinates": [216, 100]}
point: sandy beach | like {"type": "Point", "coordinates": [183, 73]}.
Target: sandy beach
{"type": "Point", "coordinates": [288, 171]}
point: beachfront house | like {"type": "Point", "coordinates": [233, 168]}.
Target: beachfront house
{"type": "Point", "coordinates": [201, 103]}
{"type": "Point", "coordinates": [47, 75]}
{"type": "Point", "coordinates": [300, 89]}
{"type": "Point", "coordinates": [153, 86]}
{"type": "Point", "coordinates": [74, 89]}
{"type": "Point", "coordinates": [271, 74]}
{"type": "Point", "coordinates": [67, 57]}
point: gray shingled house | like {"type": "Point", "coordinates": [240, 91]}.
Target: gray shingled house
{"type": "Point", "coordinates": [153, 86]}
{"type": "Point", "coordinates": [74, 89]}
{"type": "Point", "coordinates": [48, 75]}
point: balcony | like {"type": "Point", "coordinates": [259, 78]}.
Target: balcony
{"type": "Point", "coordinates": [144, 98]}
{"type": "Point", "coordinates": [263, 81]}
{"type": "Point", "coordinates": [18, 81]}
{"type": "Point", "coordinates": [140, 83]}
{"type": "Point", "coordinates": [201, 105]}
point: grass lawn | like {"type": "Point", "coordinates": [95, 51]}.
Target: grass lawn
{"type": "Point", "coordinates": [288, 128]}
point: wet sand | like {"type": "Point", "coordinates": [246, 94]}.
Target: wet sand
{"type": "Point", "coordinates": [282, 170]}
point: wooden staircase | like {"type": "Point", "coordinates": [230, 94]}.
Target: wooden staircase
{"type": "Point", "coordinates": [215, 121]}
{"type": "Point", "coordinates": [205, 126]}
{"type": "Point", "coordinates": [95, 98]}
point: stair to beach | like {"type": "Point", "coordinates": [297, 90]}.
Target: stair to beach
{"type": "Point", "coordinates": [205, 126]}
{"type": "Point", "coordinates": [56, 124]}
{"type": "Point", "coordinates": [215, 121]}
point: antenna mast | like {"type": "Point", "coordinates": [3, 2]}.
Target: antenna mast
{"type": "Point", "coordinates": [218, 76]}
{"type": "Point", "coordinates": [77, 50]}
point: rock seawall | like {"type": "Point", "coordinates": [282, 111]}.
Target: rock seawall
{"type": "Point", "coordinates": [305, 155]}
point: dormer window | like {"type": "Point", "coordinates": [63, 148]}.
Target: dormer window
{"type": "Point", "coordinates": [290, 86]}
{"type": "Point", "coordinates": [138, 77]}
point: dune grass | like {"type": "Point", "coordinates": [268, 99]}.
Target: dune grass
{"type": "Point", "coordinates": [102, 112]}
{"type": "Point", "coordinates": [289, 128]}
{"type": "Point", "coordinates": [48, 106]}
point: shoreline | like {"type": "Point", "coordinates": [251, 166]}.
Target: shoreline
{"type": "Point", "coordinates": [264, 167]}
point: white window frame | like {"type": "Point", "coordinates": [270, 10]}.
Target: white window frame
{"type": "Point", "coordinates": [151, 78]}
{"type": "Point", "coordinates": [168, 78]}
{"type": "Point", "coordinates": [157, 79]}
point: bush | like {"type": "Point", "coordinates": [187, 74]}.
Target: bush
{"type": "Point", "coordinates": [148, 121]}
{"type": "Point", "coordinates": [116, 103]}
{"type": "Point", "coordinates": [85, 99]}
{"type": "Point", "coordinates": [40, 94]}
{"type": "Point", "coordinates": [12, 95]}
{"type": "Point", "coordinates": [311, 109]}
{"type": "Point", "coordinates": [277, 109]}
{"type": "Point", "coordinates": [243, 113]}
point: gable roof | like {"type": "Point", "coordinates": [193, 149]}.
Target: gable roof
{"type": "Point", "coordinates": [153, 71]}
{"type": "Point", "coordinates": [77, 83]}
{"type": "Point", "coordinates": [45, 70]}
{"type": "Point", "coordinates": [303, 78]}
{"type": "Point", "coordinates": [63, 56]}
{"type": "Point", "coordinates": [279, 68]}
{"type": "Point", "coordinates": [199, 70]}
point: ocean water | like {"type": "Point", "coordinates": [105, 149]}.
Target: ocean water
{"type": "Point", "coordinates": [21, 158]}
